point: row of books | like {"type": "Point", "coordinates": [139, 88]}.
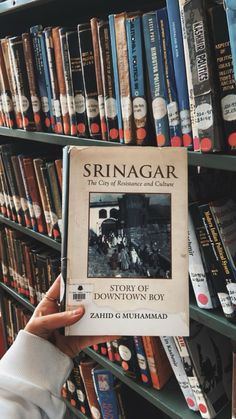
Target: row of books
{"type": "Point", "coordinates": [202, 363]}
{"type": "Point", "coordinates": [27, 266]}
{"type": "Point", "coordinates": [95, 392]}
{"type": "Point", "coordinates": [30, 189]}
{"type": "Point", "coordinates": [91, 81]}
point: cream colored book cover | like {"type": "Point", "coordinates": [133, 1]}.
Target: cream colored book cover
{"type": "Point", "coordinates": [125, 247]}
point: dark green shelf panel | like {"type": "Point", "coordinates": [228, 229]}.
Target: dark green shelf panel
{"type": "Point", "coordinates": [12, 6]}
{"type": "Point", "coordinates": [213, 319]}
{"type": "Point", "coordinates": [170, 399]}
{"type": "Point", "coordinates": [75, 411]}
{"type": "Point", "coordinates": [37, 236]}
{"type": "Point", "coordinates": [61, 140]}
{"type": "Point", "coordinates": [212, 161]}
{"type": "Point", "coordinates": [17, 297]}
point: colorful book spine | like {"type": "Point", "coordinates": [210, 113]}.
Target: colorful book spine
{"type": "Point", "coordinates": [156, 76]}
{"type": "Point", "coordinates": [27, 193]}
{"type": "Point", "coordinates": [18, 61]}
{"type": "Point", "coordinates": [142, 361]}
{"type": "Point", "coordinates": [104, 387]}
{"type": "Point", "coordinates": [68, 80]}
{"type": "Point", "coordinates": [86, 366]}
{"type": "Point", "coordinates": [21, 189]}
{"type": "Point", "coordinates": [200, 54]}
{"type": "Point", "coordinates": [78, 83]}
{"type": "Point", "coordinates": [137, 79]}
{"type": "Point", "coordinates": [230, 8]}
{"type": "Point", "coordinates": [224, 72]}
{"type": "Point", "coordinates": [38, 163]}
{"type": "Point", "coordinates": [176, 363]}
{"type": "Point", "coordinates": [56, 106]}
{"type": "Point", "coordinates": [89, 77]}
{"type": "Point", "coordinates": [116, 76]}
{"type": "Point", "coordinates": [129, 361]}
{"type": "Point", "coordinates": [52, 212]}
{"type": "Point", "coordinates": [196, 270]}
{"type": "Point", "coordinates": [61, 80]}
{"type": "Point", "coordinates": [6, 94]}
{"type": "Point", "coordinates": [30, 68]}
{"type": "Point", "coordinates": [180, 70]}
{"type": "Point", "coordinates": [97, 64]}
{"type": "Point", "coordinates": [41, 74]}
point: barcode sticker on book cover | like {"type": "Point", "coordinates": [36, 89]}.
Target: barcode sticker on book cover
{"type": "Point", "coordinates": [79, 292]}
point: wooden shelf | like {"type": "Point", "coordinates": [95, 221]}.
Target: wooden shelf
{"type": "Point", "coordinates": [170, 399]}
{"type": "Point", "coordinates": [37, 236]}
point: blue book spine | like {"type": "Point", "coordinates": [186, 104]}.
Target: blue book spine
{"type": "Point", "coordinates": [180, 70]}
{"type": "Point", "coordinates": [156, 76]}
{"type": "Point", "coordinates": [172, 98]}
{"type": "Point", "coordinates": [116, 75]}
{"type": "Point", "coordinates": [230, 7]}
{"type": "Point", "coordinates": [47, 79]}
{"type": "Point", "coordinates": [104, 387]}
{"type": "Point", "coordinates": [142, 361]}
{"type": "Point", "coordinates": [135, 56]}
{"type": "Point", "coordinates": [40, 74]}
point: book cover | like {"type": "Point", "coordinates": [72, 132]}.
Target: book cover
{"type": "Point", "coordinates": [89, 78]}
{"type": "Point", "coordinates": [224, 72]}
{"type": "Point", "coordinates": [137, 79]}
{"type": "Point", "coordinates": [125, 238]}
{"type": "Point", "coordinates": [105, 389]}
{"type": "Point", "coordinates": [156, 75]}
{"type": "Point", "coordinates": [177, 48]}
{"type": "Point", "coordinates": [78, 83]}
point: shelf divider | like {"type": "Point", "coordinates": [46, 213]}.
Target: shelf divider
{"type": "Point", "coordinates": [17, 296]}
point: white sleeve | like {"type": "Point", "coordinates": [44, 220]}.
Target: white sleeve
{"type": "Point", "coordinates": [32, 373]}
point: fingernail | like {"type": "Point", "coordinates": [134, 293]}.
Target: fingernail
{"type": "Point", "coordinates": [78, 311]}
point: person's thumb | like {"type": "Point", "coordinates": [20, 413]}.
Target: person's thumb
{"type": "Point", "coordinates": [43, 325]}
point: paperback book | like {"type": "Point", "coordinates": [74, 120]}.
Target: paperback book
{"type": "Point", "coordinates": [125, 241]}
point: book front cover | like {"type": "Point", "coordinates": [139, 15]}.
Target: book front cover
{"type": "Point", "coordinates": [125, 235]}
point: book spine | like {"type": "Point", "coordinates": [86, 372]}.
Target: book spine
{"type": "Point", "coordinates": [222, 262]}
{"type": "Point", "coordinates": [104, 387]}
{"type": "Point", "coordinates": [124, 78]}
{"type": "Point", "coordinates": [11, 211]}
{"type": "Point", "coordinates": [4, 258]}
{"type": "Point", "coordinates": [42, 262]}
{"type": "Point", "coordinates": [89, 77]}
{"type": "Point", "coordinates": [58, 164]}
{"type": "Point", "coordinates": [68, 80]}
{"type": "Point", "coordinates": [21, 189]}
{"type": "Point", "coordinates": [29, 275]}
{"type": "Point", "coordinates": [80, 390]}
{"type": "Point", "coordinates": [55, 192]}
{"type": "Point", "coordinates": [196, 270]}
{"type": "Point", "coordinates": [151, 361]}
{"type": "Point", "coordinates": [78, 83]}
{"type": "Point", "coordinates": [6, 93]}
{"type": "Point", "coordinates": [108, 81]}
{"type": "Point", "coordinates": [177, 48]}
{"type": "Point", "coordinates": [56, 106]}
{"type": "Point", "coordinates": [225, 72]}
{"type": "Point", "coordinates": [156, 76]}
{"type": "Point", "coordinates": [61, 80]}
{"type": "Point", "coordinates": [172, 100]}
{"type": "Point", "coordinates": [136, 69]}
{"type": "Point", "coordinates": [97, 64]}
{"type": "Point", "coordinates": [116, 76]}
{"type": "Point", "coordinates": [200, 397]}
{"type": "Point", "coordinates": [231, 19]}
{"type": "Point", "coordinates": [208, 121]}
{"type": "Point", "coordinates": [12, 82]}
{"type": "Point", "coordinates": [179, 371]}
{"type": "Point", "coordinates": [129, 361]}
{"type": "Point", "coordinates": [86, 373]}
{"type": "Point", "coordinates": [142, 361]}
{"type": "Point", "coordinates": [27, 193]}
{"type": "Point", "coordinates": [38, 163]}
{"type": "Point", "coordinates": [37, 42]}
{"type": "Point", "coordinates": [33, 88]}
{"type": "Point", "coordinates": [17, 53]}
{"type": "Point", "coordinates": [52, 214]}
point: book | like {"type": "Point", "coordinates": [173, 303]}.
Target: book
{"type": "Point", "coordinates": [58, 164]}
{"type": "Point", "coordinates": [142, 361]}
{"type": "Point", "coordinates": [225, 71]}
{"type": "Point", "coordinates": [127, 219]}
{"type": "Point", "coordinates": [105, 389]}
{"type": "Point", "coordinates": [21, 190]}
{"type": "Point", "coordinates": [231, 19]}
{"type": "Point", "coordinates": [137, 79]}
{"type": "Point", "coordinates": [6, 94]}
{"type": "Point", "coordinates": [56, 196]}
{"type": "Point", "coordinates": [180, 70]}
{"type": "Point", "coordinates": [86, 366]}
{"type": "Point", "coordinates": [129, 361]}
{"type": "Point", "coordinates": [156, 76]}
{"type": "Point", "coordinates": [89, 78]}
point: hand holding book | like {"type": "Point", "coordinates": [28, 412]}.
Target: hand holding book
{"type": "Point", "coordinates": [47, 319]}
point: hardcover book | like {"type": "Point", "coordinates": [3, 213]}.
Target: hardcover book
{"type": "Point", "coordinates": [125, 240]}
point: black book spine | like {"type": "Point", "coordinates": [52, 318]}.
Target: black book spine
{"type": "Point", "coordinates": [224, 71]}
{"type": "Point", "coordinates": [89, 77]}
{"type": "Point", "coordinates": [78, 83]}
{"type": "Point", "coordinates": [127, 353]}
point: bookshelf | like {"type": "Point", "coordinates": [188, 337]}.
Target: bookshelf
{"type": "Point", "coordinates": [170, 399]}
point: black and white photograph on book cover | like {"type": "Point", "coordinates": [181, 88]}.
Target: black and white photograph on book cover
{"type": "Point", "coordinates": [129, 235]}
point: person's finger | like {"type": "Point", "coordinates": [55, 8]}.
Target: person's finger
{"type": "Point", "coordinates": [54, 290]}
{"type": "Point", "coordinates": [44, 325]}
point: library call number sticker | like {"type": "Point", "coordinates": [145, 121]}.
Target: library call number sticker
{"type": "Point", "coordinates": [79, 292]}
